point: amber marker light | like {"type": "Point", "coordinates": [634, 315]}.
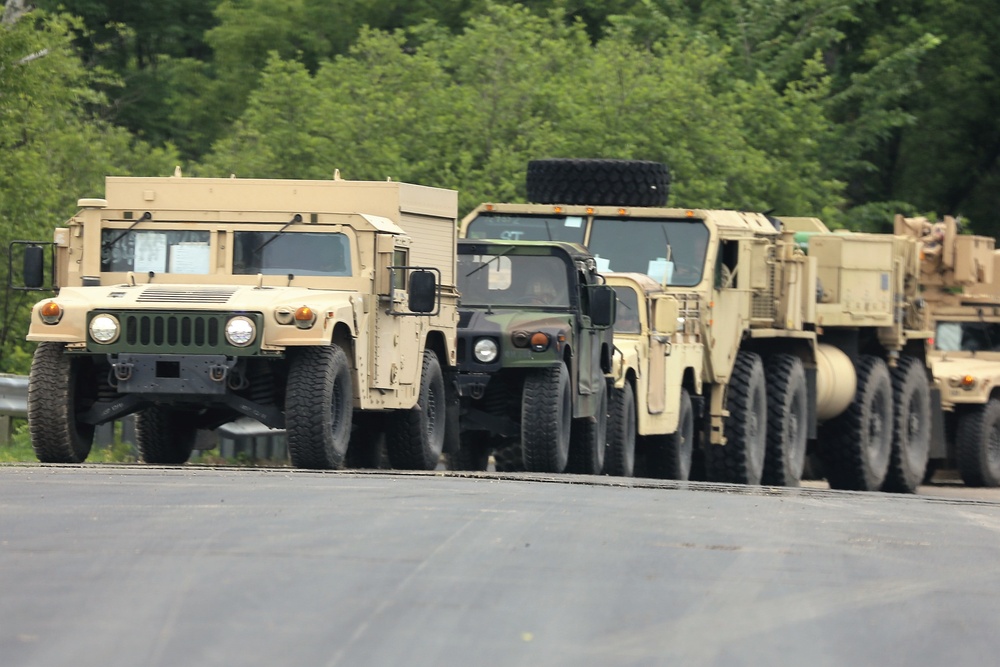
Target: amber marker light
{"type": "Point", "coordinates": [540, 341]}
{"type": "Point", "coordinates": [623, 211]}
{"type": "Point", "coordinates": [304, 317]}
{"type": "Point", "coordinates": [558, 209]}
{"type": "Point", "coordinates": [968, 382]}
{"type": "Point", "coordinates": [689, 214]}
{"type": "Point", "coordinates": [590, 210]}
{"type": "Point", "coordinates": [51, 312]}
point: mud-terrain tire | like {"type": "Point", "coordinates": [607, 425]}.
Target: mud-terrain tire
{"type": "Point", "coordinates": [977, 444]}
{"type": "Point", "coordinates": [669, 456]}
{"type": "Point", "coordinates": [366, 448]}
{"type": "Point", "coordinates": [415, 437]}
{"type": "Point", "coordinates": [318, 407]}
{"type": "Point", "coordinates": [619, 460]}
{"type": "Point", "coordinates": [855, 446]}
{"type": "Point", "coordinates": [588, 440]}
{"type": "Point", "coordinates": [164, 436]}
{"type": "Point", "coordinates": [59, 387]}
{"type": "Point", "coordinates": [472, 454]}
{"type": "Point", "coordinates": [509, 457]}
{"type": "Point", "coordinates": [546, 419]}
{"type": "Point", "coordinates": [598, 182]}
{"type": "Point", "coordinates": [787, 420]}
{"type": "Point", "coordinates": [911, 440]}
{"type": "Point", "coordinates": [741, 459]}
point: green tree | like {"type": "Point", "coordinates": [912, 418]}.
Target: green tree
{"type": "Point", "coordinates": [55, 149]}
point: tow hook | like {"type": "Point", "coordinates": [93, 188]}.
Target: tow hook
{"type": "Point", "coordinates": [218, 373]}
{"type": "Point", "coordinates": [123, 372]}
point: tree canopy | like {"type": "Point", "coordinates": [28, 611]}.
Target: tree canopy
{"type": "Point", "coordinates": [851, 110]}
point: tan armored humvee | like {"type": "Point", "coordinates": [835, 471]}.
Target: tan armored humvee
{"type": "Point", "coordinates": [306, 305]}
{"type": "Point", "coordinates": [960, 277]}
{"type": "Point", "coordinates": [656, 397]}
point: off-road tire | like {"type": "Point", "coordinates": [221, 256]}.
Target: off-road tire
{"type": "Point", "coordinates": [855, 446]}
{"type": "Point", "coordinates": [509, 457]}
{"type": "Point", "coordinates": [619, 460]}
{"type": "Point", "coordinates": [318, 407]}
{"type": "Point", "coordinates": [59, 387]}
{"type": "Point", "coordinates": [741, 459]}
{"type": "Point", "coordinates": [472, 454]}
{"type": "Point", "coordinates": [668, 456]}
{"type": "Point", "coordinates": [598, 182]}
{"type": "Point", "coordinates": [415, 437]}
{"type": "Point", "coordinates": [911, 442]}
{"type": "Point", "coordinates": [588, 441]}
{"type": "Point", "coordinates": [546, 417]}
{"type": "Point", "coordinates": [366, 448]}
{"type": "Point", "coordinates": [787, 420]}
{"type": "Point", "coordinates": [977, 444]}
{"type": "Point", "coordinates": [164, 436]}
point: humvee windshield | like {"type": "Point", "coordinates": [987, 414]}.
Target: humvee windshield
{"type": "Point", "coordinates": [513, 280]}
{"type": "Point", "coordinates": [967, 337]}
{"type": "Point", "coordinates": [527, 227]}
{"type": "Point", "coordinates": [160, 251]}
{"type": "Point", "coordinates": [627, 318]}
{"type": "Point", "coordinates": [301, 253]}
{"type": "Point", "coordinates": [672, 252]}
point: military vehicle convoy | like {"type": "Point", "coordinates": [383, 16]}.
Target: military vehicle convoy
{"type": "Point", "coordinates": [812, 340]}
{"type": "Point", "coordinates": [534, 348]}
{"type": "Point", "coordinates": [306, 305]}
{"type": "Point", "coordinates": [959, 276]}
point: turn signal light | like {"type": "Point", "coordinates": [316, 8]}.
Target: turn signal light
{"type": "Point", "coordinates": [968, 381]}
{"type": "Point", "coordinates": [540, 341]}
{"type": "Point", "coordinates": [51, 312]}
{"type": "Point", "coordinates": [305, 317]}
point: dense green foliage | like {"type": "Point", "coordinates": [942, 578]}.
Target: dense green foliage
{"type": "Point", "coordinates": [851, 110]}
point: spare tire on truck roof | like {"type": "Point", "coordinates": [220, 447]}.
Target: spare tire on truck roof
{"type": "Point", "coordinates": [598, 182]}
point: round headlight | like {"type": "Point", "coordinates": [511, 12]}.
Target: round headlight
{"type": "Point", "coordinates": [104, 329]}
{"type": "Point", "coordinates": [240, 331]}
{"type": "Point", "coordinates": [485, 350]}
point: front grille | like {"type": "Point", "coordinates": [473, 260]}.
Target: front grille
{"type": "Point", "coordinates": [176, 333]}
{"type": "Point", "coordinates": [181, 295]}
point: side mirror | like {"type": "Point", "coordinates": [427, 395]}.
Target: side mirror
{"type": "Point", "coordinates": [603, 303]}
{"type": "Point", "coordinates": [666, 310]}
{"type": "Point", "coordinates": [423, 292]}
{"type": "Point", "coordinates": [34, 267]}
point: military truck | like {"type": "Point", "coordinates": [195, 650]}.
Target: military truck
{"type": "Point", "coordinates": [657, 367]}
{"type": "Point", "coordinates": [311, 306]}
{"type": "Point", "coordinates": [959, 277]}
{"type": "Point", "coordinates": [534, 350]}
{"type": "Point", "coordinates": [812, 340]}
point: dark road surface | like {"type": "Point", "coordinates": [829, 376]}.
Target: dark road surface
{"type": "Point", "coordinates": [105, 566]}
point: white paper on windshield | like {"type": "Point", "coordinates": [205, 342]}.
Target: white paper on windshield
{"type": "Point", "coordinates": [603, 265]}
{"type": "Point", "coordinates": [660, 270]}
{"type": "Point", "coordinates": [189, 258]}
{"type": "Point", "coordinates": [150, 253]}
{"type": "Point", "coordinates": [573, 221]}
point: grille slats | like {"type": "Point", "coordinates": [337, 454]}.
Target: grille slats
{"type": "Point", "coordinates": [179, 332]}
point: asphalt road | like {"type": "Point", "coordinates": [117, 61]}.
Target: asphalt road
{"type": "Point", "coordinates": [110, 566]}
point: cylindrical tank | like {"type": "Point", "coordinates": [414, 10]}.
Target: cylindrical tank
{"type": "Point", "coordinates": [836, 381]}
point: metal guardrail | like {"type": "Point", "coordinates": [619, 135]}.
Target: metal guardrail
{"type": "Point", "coordinates": [13, 403]}
{"type": "Point", "coordinates": [243, 436]}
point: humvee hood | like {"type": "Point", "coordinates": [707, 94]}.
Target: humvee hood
{"type": "Point", "coordinates": [511, 320]}
{"type": "Point", "coordinates": [194, 297]}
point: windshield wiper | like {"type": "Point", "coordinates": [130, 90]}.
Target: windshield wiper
{"type": "Point", "coordinates": [485, 264]}
{"type": "Point", "coordinates": [145, 216]}
{"type": "Point", "coordinates": [295, 218]}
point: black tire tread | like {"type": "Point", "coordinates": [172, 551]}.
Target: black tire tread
{"type": "Point", "coordinates": [669, 456]}
{"type": "Point", "coordinates": [164, 436]}
{"type": "Point", "coordinates": [598, 182]}
{"type": "Point", "coordinates": [732, 462]}
{"type": "Point", "coordinates": [904, 476]}
{"type": "Point", "coordinates": [619, 460]}
{"type": "Point", "coordinates": [544, 422]}
{"type": "Point", "coordinates": [56, 436]}
{"type": "Point", "coordinates": [786, 380]}
{"type": "Point", "coordinates": [407, 440]}
{"type": "Point", "coordinates": [976, 426]}
{"type": "Point", "coordinates": [316, 438]}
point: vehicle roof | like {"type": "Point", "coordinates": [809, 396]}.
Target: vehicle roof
{"type": "Point", "coordinates": [640, 280]}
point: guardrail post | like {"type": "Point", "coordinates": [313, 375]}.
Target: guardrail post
{"type": "Point", "coordinates": [6, 430]}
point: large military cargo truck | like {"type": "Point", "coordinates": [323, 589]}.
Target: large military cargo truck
{"type": "Point", "coordinates": [310, 306]}
{"type": "Point", "coordinates": [961, 286]}
{"type": "Point", "coordinates": [812, 339]}
{"type": "Point", "coordinates": [534, 351]}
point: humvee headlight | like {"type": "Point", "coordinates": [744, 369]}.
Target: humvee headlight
{"type": "Point", "coordinates": [485, 350]}
{"type": "Point", "coordinates": [104, 329]}
{"type": "Point", "coordinates": [240, 331]}
{"type": "Point", "coordinates": [51, 312]}
{"type": "Point", "coordinates": [540, 341]}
